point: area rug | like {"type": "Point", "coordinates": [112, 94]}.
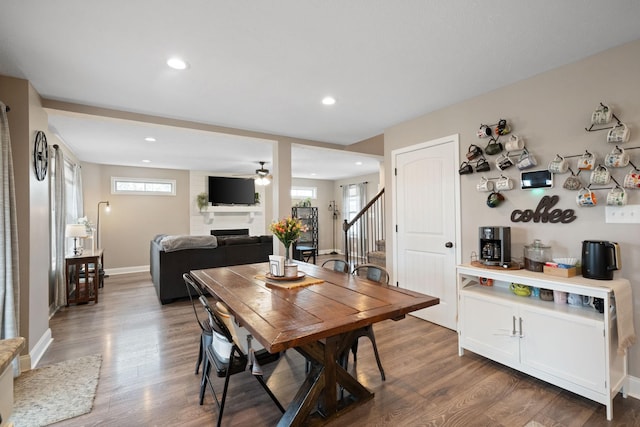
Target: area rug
{"type": "Point", "coordinates": [56, 392]}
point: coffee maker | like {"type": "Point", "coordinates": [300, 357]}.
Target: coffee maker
{"type": "Point", "coordinates": [495, 246]}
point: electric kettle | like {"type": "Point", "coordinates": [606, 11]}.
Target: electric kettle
{"type": "Point", "coordinates": [599, 259]}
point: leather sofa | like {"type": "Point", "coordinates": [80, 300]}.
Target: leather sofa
{"type": "Point", "coordinates": [167, 267]}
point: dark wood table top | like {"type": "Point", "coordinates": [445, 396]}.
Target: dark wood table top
{"type": "Point", "coordinates": [287, 318]}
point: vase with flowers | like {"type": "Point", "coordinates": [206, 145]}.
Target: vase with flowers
{"type": "Point", "coordinates": [288, 230]}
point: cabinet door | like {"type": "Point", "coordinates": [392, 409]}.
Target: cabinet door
{"type": "Point", "coordinates": [487, 328]}
{"type": "Point", "coordinates": [568, 347]}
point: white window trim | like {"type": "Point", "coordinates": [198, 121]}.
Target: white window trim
{"type": "Point", "coordinates": [116, 179]}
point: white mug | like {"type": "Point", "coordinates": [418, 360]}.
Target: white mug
{"type": "Point", "coordinates": [632, 179]}
{"type": "Point", "coordinates": [504, 183]}
{"type": "Point", "coordinates": [617, 197]}
{"type": "Point", "coordinates": [586, 198]}
{"type": "Point", "coordinates": [574, 299]}
{"type": "Point", "coordinates": [618, 134]}
{"type": "Point", "coordinates": [503, 162]}
{"type": "Point", "coordinates": [586, 162]}
{"type": "Point", "coordinates": [617, 158]}
{"type": "Point", "coordinates": [558, 165]}
{"type": "Point", "coordinates": [485, 185]}
{"type": "Point", "coordinates": [526, 160]}
{"type": "Point", "coordinates": [602, 115]}
{"type": "Point", "coordinates": [514, 143]}
{"type": "Point", "coordinates": [600, 176]}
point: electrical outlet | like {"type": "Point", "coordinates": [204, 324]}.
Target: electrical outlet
{"type": "Point", "coordinates": [629, 214]}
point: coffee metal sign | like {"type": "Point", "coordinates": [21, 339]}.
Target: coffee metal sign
{"type": "Point", "coordinates": [544, 213]}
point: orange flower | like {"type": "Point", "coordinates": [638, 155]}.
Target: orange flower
{"type": "Point", "coordinates": [288, 230]}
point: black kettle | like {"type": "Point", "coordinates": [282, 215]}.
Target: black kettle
{"type": "Point", "coordinates": [599, 259]}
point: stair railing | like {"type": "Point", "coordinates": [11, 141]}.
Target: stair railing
{"type": "Point", "coordinates": [362, 233]}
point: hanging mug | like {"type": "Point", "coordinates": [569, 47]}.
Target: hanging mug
{"type": "Point", "coordinates": [586, 162]}
{"type": "Point", "coordinates": [618, 134]}
{"type": "Point", "coordinates": [494, 199]}
{"type": "Point", "coordinates": [482, 165]}
{"type": "Point", "coordinates": [504, 183]}
{"type": "Point", "coordinates": [632, 179]}
{"type": "Point", "coordinates": [485, 185]}
{"type": "Point", "coordinates": [474, 151]}
{"type": "Point", "coordinates": [514, 143]}
{"type": "Point", "coordinates": [617, 158]}
{"type": "Point", "coordinates": [600, 176]}
{"type": "Point", "coordinates": [502, 128]}
{"type": "Point", "coordinates": [504, 162]}
{"type": "Point", "coordinates": [465, 168]}
{"type": "Point", "coordinates": [493, 147]}
{"type": "Point", "coordinates": [586, 198]}
{"type": "Point", "coordinates": [484, 131]}
{"type": "Point", "coordinates": [617, 197]}
{"type": "Point", "coordinates": [558, 165]}
{"type": "Point", "coordinates": [602, 115]}
{"type": "Point", "coordinates": [572, 183]}
{"type": "Point", "coordinates": [526, 160]}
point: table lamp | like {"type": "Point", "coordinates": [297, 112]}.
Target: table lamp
{"type": "Point", "coordinates": [76, 231]}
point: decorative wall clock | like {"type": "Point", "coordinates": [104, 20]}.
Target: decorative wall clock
{"type": "Point", "coordinates": [40, 155]}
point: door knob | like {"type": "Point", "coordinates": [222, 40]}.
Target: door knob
{"type": "Point", "coordinates": [448, 245]}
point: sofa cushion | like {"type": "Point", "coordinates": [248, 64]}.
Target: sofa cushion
{"type": "Point", "coordinates": [244, 240]}
{"type": "Point", "coordinates": [176, 243]}
{"type": "Point", "coordinates": [267, 238]}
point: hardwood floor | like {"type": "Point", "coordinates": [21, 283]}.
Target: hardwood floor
{"type": "Point", "coordinates": [149, 353]}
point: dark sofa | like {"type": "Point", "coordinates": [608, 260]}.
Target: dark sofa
{"type": "Point", "coordinates": [167, 267]}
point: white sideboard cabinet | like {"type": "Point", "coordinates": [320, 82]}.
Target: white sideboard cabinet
{"type": "Point", "coordinates": [572, 347]}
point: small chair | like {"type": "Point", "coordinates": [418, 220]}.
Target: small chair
{"type": "Point", "coordinates": [227, 364]}
{"type": "Point", "coordinates": [206, 335]}
{"type": "Point", "coordinates": [338, 264]}
{"type": "Point", "coordinates": [377, 274]}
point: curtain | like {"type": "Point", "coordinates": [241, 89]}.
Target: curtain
{"type": "Point", "coordinates": [77, 187]}
{"type": "Point", "coordinates": [59, 209]}
{"type": "Point", "coordinates": [9, 273]}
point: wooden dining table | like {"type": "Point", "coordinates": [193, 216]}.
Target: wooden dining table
{"type": "Point", "coordinates": [316, 315]}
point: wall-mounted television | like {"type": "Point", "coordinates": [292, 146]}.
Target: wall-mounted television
{"type": "Point", "coordinates": [231, 191]}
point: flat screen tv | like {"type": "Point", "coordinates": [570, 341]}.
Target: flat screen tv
{"type": "Point", "coordinates": [231, 191]}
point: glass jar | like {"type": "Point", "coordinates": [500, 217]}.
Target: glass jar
{"type": "Point", "coordinates": [535, 255]}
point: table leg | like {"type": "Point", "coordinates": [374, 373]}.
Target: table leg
{"type": "Point", "coordinates": [319, 390]}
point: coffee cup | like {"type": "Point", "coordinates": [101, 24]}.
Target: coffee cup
{"type": "Point", "coordinates": [586, 198]}
{"type": "Point", "coordinates": [574, 299]}
{"type": "Point", "coordinates": [504, 183]}
{"type": "Point", "coordinates": [485, 185]}
{"type": "Point", "coordinates": [482, 165]}
{"type": "Point", "coordinates": [558, 165]}
{"type": "Point", "coordinates": [559, 297]}
{"type": "Point", "coordinates": [474, 151]}
{"type": "Point", "coordinates": [632, 179]}
{"type": "Point", "coordinates": [465, 168]}
{"type": "Point", "coordinates": [572, 183]}
{"type": "Point", "coordinates": [618, 134]}
{"type": "Point", "coordinates": [504, 162]}
{"type": "Point", "coordinates": [484, 131]}
{"type": "Point", "coordinates": [600, 176]}
{"type": "Point", "coordinates": [494, 199]}
{"type": "Point", "coordinates": [526, 160]}
{"type": "Point", "coordinates": [514, 143]}
{"type": "Point", "coordinates": [587, 300]}
{"type": "Point", "coordinates": [617, 197]}
{"type": "Point", "coordinates": [602, 115]}
{"type": "Point", "coordinates": [586, 162]}
{"type": "Point", "coordinates": [617, 158]}
{"type": "Point", "coordinates": [493, 147]}
{"type": "Point", "coordinates": [502, 128]}
{"type": "Point", "coordinates": [521, 290]}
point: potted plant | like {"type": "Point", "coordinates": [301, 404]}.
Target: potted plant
{"type": "Point", "coordinates": [202, 200]}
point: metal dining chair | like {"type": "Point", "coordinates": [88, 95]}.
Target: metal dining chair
{"type": "Point", "coordinates": [377, 274]}
{"type": "Point", "coordinates": [206, 335]}
{"type": "Point", "coordinates": [338, 264]}
{"type": "Point", "coordinates": [227, 359]}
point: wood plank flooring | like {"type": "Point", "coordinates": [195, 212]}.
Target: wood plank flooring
{"type": "Point", "coordinates": [149, 353]}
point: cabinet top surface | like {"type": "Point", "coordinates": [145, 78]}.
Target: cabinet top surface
{"type": "Point", "coordinates": [86, 254]}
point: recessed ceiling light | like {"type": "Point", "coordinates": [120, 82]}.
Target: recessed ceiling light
{"type": "Point", "coordinates": [177, 63]}
{"type": "Point", "coordinates": [146, 161]}
{"type": "Point", "coordinates": [328, 100]}
{"type": "Point", "coordinates": [359, 163]}
{"type": "Point", "coordinates": [150, 139]}
{"type": "Point", "coordinates": [313, 174]}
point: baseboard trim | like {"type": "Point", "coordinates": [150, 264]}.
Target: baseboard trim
{"type": "Point", "coordinates": [37, 351]}
{"type": "Point", "coordinates": [633, 389]}
{"type": "Point", "coordinates": [126, 270]}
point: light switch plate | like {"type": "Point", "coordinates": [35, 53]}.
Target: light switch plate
{"type": "Point", "coordinates": [629, 214]}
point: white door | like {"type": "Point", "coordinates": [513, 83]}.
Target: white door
{"type": "Point", "coordinates": [426, 193]}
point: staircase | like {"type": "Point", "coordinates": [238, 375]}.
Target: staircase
{"type": "Point", "coordinates": [364, 235]}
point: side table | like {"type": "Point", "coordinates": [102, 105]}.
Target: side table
{"type": "Point", "coordinates": [82, 277]}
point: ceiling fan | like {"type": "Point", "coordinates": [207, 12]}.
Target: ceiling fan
{"type": "Point", "coordinates": [262, 175]}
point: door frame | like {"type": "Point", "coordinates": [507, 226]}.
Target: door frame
{"type": "Point", "coordinates": [455, 140]}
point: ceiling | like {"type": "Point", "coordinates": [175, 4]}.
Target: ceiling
{"type": "Point", "coordinates": [265, 66]}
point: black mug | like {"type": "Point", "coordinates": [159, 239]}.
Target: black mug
{"type": "Point", "coordinates": [465, 168]}
{"type": "Point", "coordinates": [474, 151]}
{"type": "Point", "coordinates": [482, 165]}
{"type": "Point", "coordinates": [493, 147]}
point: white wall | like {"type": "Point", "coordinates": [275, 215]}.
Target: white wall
{"type": "Point", "coordinates": [550, 111]}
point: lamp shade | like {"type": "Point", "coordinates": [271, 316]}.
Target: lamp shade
{"type": "Point", "coordinates": [76, 230]}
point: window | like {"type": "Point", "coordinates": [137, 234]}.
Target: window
{"type": "Point", "coordinates": [143, 186]}
{"type": "Point", "coordinates": [304, 193]}
{"type": "Point", "coordinates": [352, 202]}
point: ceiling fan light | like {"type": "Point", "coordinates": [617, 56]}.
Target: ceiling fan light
{"type": "Point", "coordinates": [263, 180]}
